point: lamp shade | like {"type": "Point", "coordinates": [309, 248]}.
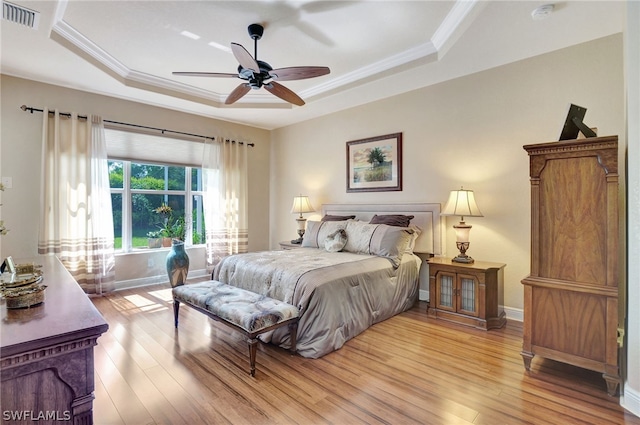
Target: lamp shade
{"type": "Point", "coordinates": [301, 205]}
{"type": "Point", "coordinates": [463, 203]}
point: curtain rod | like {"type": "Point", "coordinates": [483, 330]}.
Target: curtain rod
{"type": "Point", "coordinates": [67, 114]}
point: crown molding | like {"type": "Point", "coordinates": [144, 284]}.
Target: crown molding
{"type": "Point", "coordinates": [456, 20]}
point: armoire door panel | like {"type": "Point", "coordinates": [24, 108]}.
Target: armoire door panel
{"type": "Point", "coordinates": [572, 209]}
{"type": "Point", "coordinates": [570, 322]}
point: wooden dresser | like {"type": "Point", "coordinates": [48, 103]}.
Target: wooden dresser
{"type": "Point", "coordinates": [571, 295]}
{"type": "Point", "coordinates": [46, 353]}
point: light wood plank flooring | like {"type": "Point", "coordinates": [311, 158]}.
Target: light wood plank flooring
{"type": "Point", "coordinates": [407, 370]}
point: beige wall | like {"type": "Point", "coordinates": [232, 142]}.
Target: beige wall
{"type": "Point", "coordinates": [468, 131]}
{"type": "Point", "coordinates": [21, 145]}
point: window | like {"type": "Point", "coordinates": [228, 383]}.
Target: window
{"type": "Point", "coordinates": [139, 189]}
{"type": "Point", "coordinates": [147, 171]}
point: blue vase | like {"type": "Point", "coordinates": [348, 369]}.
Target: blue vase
{"type": "Point", "coordinates": [177, 264]}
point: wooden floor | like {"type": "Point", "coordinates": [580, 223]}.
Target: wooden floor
{"type": "Point", "coordinates": [407, 370]}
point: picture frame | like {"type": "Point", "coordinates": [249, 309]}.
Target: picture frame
{"type": "Point", "coordinates": [375, 164]}
{"type": "Point", "coordinates": [11, 266]}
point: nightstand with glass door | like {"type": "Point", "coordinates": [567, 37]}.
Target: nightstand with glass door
{"type": "Point", "coordinates": [469, 294]}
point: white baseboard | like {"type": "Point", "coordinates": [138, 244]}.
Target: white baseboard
{"type": "Point", "coordinates": [423, 295]}
{"type": "Point", "coordinates": [154, 280]}
{"type": "Point", "coordinates": [630, 400]}
{"type": "Point", "coordinates": [516, 314]}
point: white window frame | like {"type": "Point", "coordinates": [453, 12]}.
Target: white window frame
{"type": "Point", "coordinates": [126, 192]}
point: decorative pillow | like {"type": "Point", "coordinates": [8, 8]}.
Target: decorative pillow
{"type": "Point", "coordinates": [390, 242]}
{"type": "Point", "coordinates": [359, 234]}
{"type": "Point", "coordinates": [310, 238]}
{"type": "Point", "coordinates": [336, 241]}
{"type": "Point", "coordinates": [317, 232]}
{"type": "Point", "coordinates": [392, 220]}
{"type": "Point", "coordinates": [378, 239]}
{"type": "Point", "coordinates": [328, 217]}
{"type": "Point", "coordinates": [412, 242]}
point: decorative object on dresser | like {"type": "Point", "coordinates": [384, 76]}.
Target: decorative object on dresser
{"type": "Point", "coordinates": [301, 205]}
{"type": "Point", "coordinates": [21, 286]}
{"type": "Point", "coordinates": [469, 294]}
{"type": "Point", "coordinates": [571, 295]}
{"type": "Point", "coordinates": [463, 203]}
{"type": "Point", "coordinates": [375, 164]}
{"type": "Point", "coordinates": [46, 351]}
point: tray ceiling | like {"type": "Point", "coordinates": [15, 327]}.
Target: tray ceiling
{"type": "Point", "coordinates": [375, 49]}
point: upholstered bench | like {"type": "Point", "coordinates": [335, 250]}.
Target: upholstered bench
{"type": "Point", "coordinates": [245, 311]}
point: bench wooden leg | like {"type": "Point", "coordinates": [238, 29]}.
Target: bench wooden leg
{"type": "Point", "coordinates": [253, 343]}
{"type": "Point", "coordinates": [176, 307]}
{"type": "Point", "coordinates": [293, 331]}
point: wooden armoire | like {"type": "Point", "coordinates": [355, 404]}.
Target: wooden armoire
{"type": "Point", "coordinates": [571, 295]}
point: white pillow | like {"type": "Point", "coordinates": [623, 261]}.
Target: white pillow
{"type": "Point", "coordinates": [336, 241]}
{"type": "Point", "coordinates": [310, 238]}
{"type": "Point", "coordinates": [412, 242]}
{"type": "Point", "coordinates": [317, 232]}
{"type": "Point", "coordinates": [359, 234]}
{"type": "Point", "coordinates": [378, 239]}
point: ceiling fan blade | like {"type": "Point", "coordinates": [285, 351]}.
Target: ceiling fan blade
{"type": "Point", "coordinates": [298, 72]}
{"type": "Point", "coordinates": [284, 93]}
{"type": "Point", "coordinates": [205, 74]}
{"type": "Point", "coordinates": [244, 58]}
{"type": "Point", "coordinates": [237, 93]}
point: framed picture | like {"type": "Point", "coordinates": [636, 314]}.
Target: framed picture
{"type": "Point", "coordinates": [11, 266]}
{"type": "Point", "coordinates": [375, 164]}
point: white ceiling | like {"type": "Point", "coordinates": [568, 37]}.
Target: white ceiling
{"type": "Point", "coordinates": [375, 49]}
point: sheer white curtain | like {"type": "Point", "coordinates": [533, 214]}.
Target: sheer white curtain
{"type": "Point", "coordinates": [224, 169]}
{"type": "Point", "coordinates": [76, 218]}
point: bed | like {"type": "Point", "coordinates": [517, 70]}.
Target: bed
{"type": "Point", "coordinates": [342, 293]}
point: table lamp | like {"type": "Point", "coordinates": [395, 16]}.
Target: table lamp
{"type": "Point", "coordinates": [301, 205]}
{"type": "Point", "coordinates": [463, 203]}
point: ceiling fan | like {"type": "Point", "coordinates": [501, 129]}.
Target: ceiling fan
{"type": "Point", "coordinates": [257, 73]}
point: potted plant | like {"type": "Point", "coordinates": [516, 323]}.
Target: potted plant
{"type": "Point", "coordinates": [178, 229]}
{"type": "Point", "coordinates": [166, 223]}
{"type": "Point", "coordinates": [154, 240]}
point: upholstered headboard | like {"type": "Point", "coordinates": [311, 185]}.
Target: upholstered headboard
{"type": "Point", "coordinates": [426, 216]}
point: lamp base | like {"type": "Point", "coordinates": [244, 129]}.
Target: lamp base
{"type": "Point", "coordinates": [300, 233]}
{"type": "Point", "coordinates": [463, 259]}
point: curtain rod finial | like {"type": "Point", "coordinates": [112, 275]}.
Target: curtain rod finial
{"type": "Point", "coordinates": [23, 107]}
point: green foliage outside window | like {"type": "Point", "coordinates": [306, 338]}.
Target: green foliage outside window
{"type": "Point", "coordinates": [169, 181]}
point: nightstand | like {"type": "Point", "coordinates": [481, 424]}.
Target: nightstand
{"type": "Point", "coordinates": [289, 245]}
{"type": "Point", "coordinates": [469, 294]}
